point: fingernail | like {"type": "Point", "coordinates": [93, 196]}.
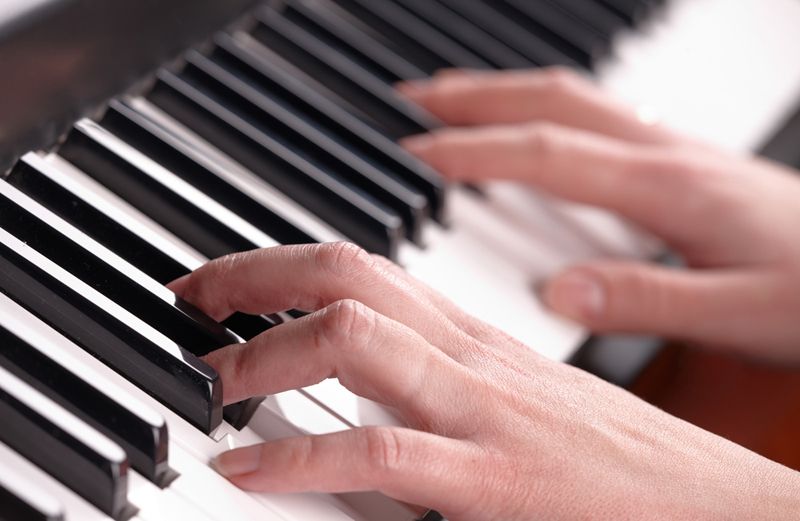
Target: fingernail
{"type": "Point", "coordinates": [417, 145]}
{"type": "Point", "coordinates": [238, 462]}
{"type": "Point", "coordinates": [178, 285]}
{"type": "Point", "coordinates": [412, 88]}
{"type": "Point", "coordinates": [577, 295]}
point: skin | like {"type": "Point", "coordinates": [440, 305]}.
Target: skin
{"type": "Point", "coordinates": [495, 431]}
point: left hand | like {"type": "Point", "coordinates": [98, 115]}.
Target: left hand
{"type": "Point", "coordinates": [495, 431]}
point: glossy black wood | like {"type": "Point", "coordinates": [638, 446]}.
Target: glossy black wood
{"type": "Point", "coordinates": [30, 505]}
{"type": "Point", "coordinates": [171, 374]}
{"type": "Point", "coordinates": [148, 138]}
{"type": "Point", "coordinates": [177, 211]}
{"type": "Point", "coordinates": [604, 22]}
{"type": "Point", "coordinates": [335, 203]}
{"type": "Point", "coordinates": [262, 74]}
{"type": "Point", "coordinates": [144, 441]}
{"type": "Point", "coordinates": [117, 234]}
{"type": "Point", "coordinates": [566, 33]}
{"type": "Point", "coordinates": [532, 44]}
{"type": "Point", "coordinates": [338, 73]}
{"type": "Point", "coordinates": [405, 33]}
{"type": "Point", "coordinates": [295, 132]}
{"type": "Point", "coordinates": [322, 20]}
{"type": "Point", "coordinates": [111, 234]}
{"type": "Point", "coordinates": [450, 24]}
{"type": "Point", "coordinates": [121, 282]}
{"type": "Point", "coordinates": [63, 446]}
{"type": "Point", "coordinates": [63, 58]}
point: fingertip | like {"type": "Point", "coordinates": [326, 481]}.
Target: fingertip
{"type": "Point", "coordinates": [415, 90]}
{"type": "Point", "coordinates": [577, 294]}
{"type": "Point", "coordinates": [419, 145]}
{"type": "Point", "coordinates": [238, 462]}
{"type": "Point", "coordinates": [179, 285]}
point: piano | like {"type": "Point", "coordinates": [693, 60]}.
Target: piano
{"type": "Point", "coordinates": [138, 139]}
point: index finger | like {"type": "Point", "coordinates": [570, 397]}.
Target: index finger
{"type": "Point", "coordinates": [311, 277]}
{"type": "Point", "coordinates": [645, 183]}
{"type": "Point", "coordinates": [555, 95]}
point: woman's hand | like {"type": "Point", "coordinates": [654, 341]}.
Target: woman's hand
{"type": "Point", "coordinates": [495, 432]}
{"type": "Point", "coordinates": [735, 220]}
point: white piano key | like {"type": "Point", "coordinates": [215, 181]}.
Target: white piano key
{"type": "Point", "coordinates": [694, 68]}
{"type": "Point", "coordinates": [191, 451]}
{"type": "Point", "coordinates": [235, 174]}
{"type": "Point", "coordinates": [157, 504]}
{"type": "Point", "coordinates": [27, 494]}
{"type": "Point", "coordinates": [75, 507]}
{"type": "Point", "coordinates": [120, 210]}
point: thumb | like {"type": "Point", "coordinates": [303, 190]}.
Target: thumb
{"type": "Point", "coordinates": [628, 297]}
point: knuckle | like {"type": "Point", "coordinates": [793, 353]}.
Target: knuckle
{"type": "Point", "coordinates": [342, 259]}
{"type": "Point", "coordinates": [542, 139]}
{"type": "Point", "coordinates": [348, 324]}
{"type": "Point", "coordinates": [384, 450]}
{"type": "Point", "coordinates": [560, 81]}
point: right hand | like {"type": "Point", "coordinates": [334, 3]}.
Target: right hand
{"type": "Point", "coordinates": [735, 220]}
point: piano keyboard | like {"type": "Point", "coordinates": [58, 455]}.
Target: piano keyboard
{"type": "Point", "coordinates": [283, 130]}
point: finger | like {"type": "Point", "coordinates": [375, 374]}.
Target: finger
{"type": "Point", "coordinates": [640, 182]}
{"type": "Point", "coordinates": [371, 355]}
{"type": "Point", "coordinates": [709, 306]}
{"type": "Point", "coordinates": [410, 466]}
{"type": "Point", "coordinates": [555, 95]}
{"type": "Point", "coordinates": [310, 278]}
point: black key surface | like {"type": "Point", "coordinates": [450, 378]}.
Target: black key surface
{"type": "Point", "coordinates": [64, 446]}
{"type": "Point", "coordinates": [378, 100]}
{"type": "Point", "coordinates": [568, 34]}
{"type": "Point", "coordinates": [408, 35]}
{"type": "Point", "coordinates": [176, 205]}
{"type": "Point", "coordinates": [116, 279]}
{"type": "Point", "coordinates": [32, 358]}
{"type": "Point", "coordinates": [467, 34]}
{"type": "Point", "coordinates": [159, 145]}
{"type": "Point", "coordinates": [302, 136]}
{"type": "Point", "coordinates": [55, 190]}
{"type": "Point", "coordinates": [534, 46]}
{"type": "Point", "coordinates": [348, 39]}
{"type": "Point", "coordinates": [173, 375]}
{"type": "Point", "coordinates": [604, 21]}
{"type": "Point", "coordinates": [366, 223]}
{"type": "Point", "coordinates": [367, 142]}
{"type": "Point", "coordinates": [25, 501]}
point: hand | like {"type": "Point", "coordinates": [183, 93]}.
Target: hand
{"type": "Point", "coordinates": [495, 432]}
{"type": "Point", "coordinates": [734, 220]}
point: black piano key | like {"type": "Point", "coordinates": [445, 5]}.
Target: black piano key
{"type": "Point", "coordinates": [25, 501]}
{"type": "Point", "coordinates": [262, 74]}
{"type": "Point", "coordinates": [533, 45]}
{"type": "Point", "coordinates": [378, 100]}
{"type": "Point", "coordinates": [46, 185]}
{"type": "Point", "coordinates": [151, 140]}
{"type": "Point", "coordinates": [346, 38]}
{"type": "Point", "coordinates": [187, 213]}
{"type": "Point", "coordinates": [466, 33]}
{"type": "Point", "coordinates": [570, 35]}
{"type": "Point", "coordinates": [117, 280]}
{"type": "Point", "coordinates": [605, 23]}
{"type": "Point", "coordinates": [356, 216]}
{"type": "Point", "coordinates": [172, 375]}
{"type": "Point", "coordinates": [141, 433]}
{"type": "Point", "coordinates": [406, 34]}
{"type": "Point", "coordinates": [632, 11]}
{"type": "Point", "coordinates": [293, 131]}
{"type": "Point", "coordinates": [64, 446]}
{"type": "Point", "coordinates": [37, 184]}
